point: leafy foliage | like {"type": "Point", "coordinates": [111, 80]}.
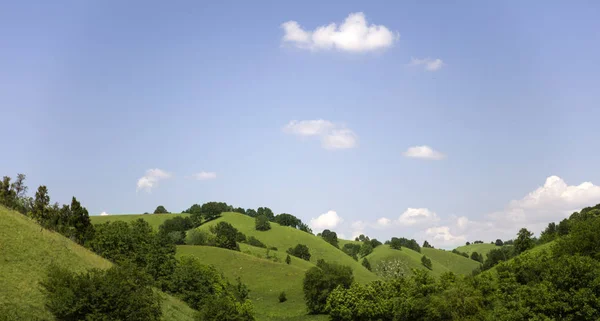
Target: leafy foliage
{"type": "Point", "coordinates": [255, 242]}
{"type": "Point", "coordinates": [266, 212]}
{"type": "Point", "coordinates": [427, 245]}
{"type": "Point", "coordinates": [366, 264]}
{"type": "Point", "coordinates": [426, 261]}
{"type": "Point", "coordinates": [262, 223]}
{"type": "Point", "coordinates": [524, 241]}
{"type": "Point", "coordinates": [300, 251]}
{"type": "Point", "coordinates": [161, 210]}
{"type": "Point", "coordinates": [352, 250]}
{"type": "Point", "coordinates": [226, 236]}
{"type": "Point", "coordinates": [285, 219]}
{"type": "Point", "coordinates": [398, 243]}
{"type": "Point", "coordinates": [330, 237]}
{"type": "Point", "coordinates": [282, 297]}
{"type": "Point", "coordinates": [212, 210]}
{"type": "Point", "coordinates": [321, 280]}
{"type": "Point", "coordinates": [119, 293]}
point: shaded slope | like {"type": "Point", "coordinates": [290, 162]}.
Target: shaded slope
{"type": "Point", "coordinates": [26, 251]}
{"type": "Point", "coordinates": [265, 279]}
{"type": "Point", "coordinates": [284, 237]}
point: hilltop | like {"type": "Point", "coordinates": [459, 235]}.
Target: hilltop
{"type": "Point", "coordinates": [26, 251]}
{"type": "Point", "coordinates": [481, 248]}
{"type": "Point", "coordinates": [155, 220]}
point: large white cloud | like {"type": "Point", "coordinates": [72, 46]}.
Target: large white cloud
{"type": "Point", "coordinates": [415, 216]}
{"type": "Point", "coordinates": [443, 235]}
{"type": "Point", "coordinates": [428, 63]}
{"type": "Point", "coordinates": [333, 136]}
{"type": "Point", "coordinates": [327, 220]}
{"type": "Point", "coordinates": [202, 176]}
{"type": "Point", "coordinates": [151, 179]}
{"type": "Point", "coordinates": [423, 152]}
{"type": "Point", "coordinates": [353, 35]}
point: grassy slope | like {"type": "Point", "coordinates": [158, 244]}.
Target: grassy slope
{"type": "Point", "coordinates": [481, 248]}
{"type": "Point", "coordinates": [155, 220]}
{"type": "Point", "coordinates": [284, 237]}
{"type": "Point", "coordinates": [454, 262]}
{"type": "Point", "coordinates": [265, 279]}
{"type": "Point", "coordinates": [441, 261]}
{"type": "Point", "coordinates": [26, 251]}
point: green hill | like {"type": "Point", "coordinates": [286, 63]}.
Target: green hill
{"type": "Point", "coordinates": [265, 279]}
{"type": "Point", "coordinates": [442, 261]}
{"type": "Point", "coordinates": [481, 248]}
{"type": "Point", "coordinates": [284, 237]}
{"type": "Point", "coordinates": [155, 220]}
{"type": "Point", "coordinates": [26, 251]}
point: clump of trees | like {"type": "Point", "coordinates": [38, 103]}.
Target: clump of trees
{"type": "Point", "coordinates": [477, 257]}
{"type": "Point", "coordinates": [426, 262]}
{"type": "Point", "coordinates": [427, 245]}
{"type": "Point", "coordinates": [262, 223]}
{"type": "Point", "coordinates": [455, 251]}
{"type": "Point", "coordinates": [329, 237]}
{"type": "Point", "coordinates": [300, 251]}
{"type": "Point", "coordinates": [366, 264]}
{"type": "Point", "coordinates": [161, 210]}
{"type": "Point", "coordinates": [397, 244]}
{"type": "Point", "coordinates": [352, 249]}
{"type": "Point", "coordinates": [321, 280]}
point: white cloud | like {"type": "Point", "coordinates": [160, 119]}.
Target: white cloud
{"type": "Point", "coordinates": [151, 179]}
{"type": "Point", "coordinates": [424, 152]}
{"type": "Point", "coordinates": [353, 35]}
{"type": "Point", "coordinates": [104, 214]}
{"type": "Point", "coordinates": [202, 176]}
{"type": "Point", "coordinates": [442, 235]}
{"type": "Point", "coordinates": [333, 136]}
{"type": "Point", "coordinates": [327, 220]}
{"type": "Point", "coordinates": [383, 222]}
{"type": "Point", "coordinates": [413, 216]}
{"type": "Point", "coordinates": [430, 64]}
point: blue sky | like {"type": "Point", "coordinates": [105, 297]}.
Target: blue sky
{"type": "Point", "coordinates": [97, 95]}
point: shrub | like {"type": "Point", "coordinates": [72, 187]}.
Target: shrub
{"type": "Point", "coordinates": [282, 297]}
{"type": "Point", "coordinates": [198, 237]}
{"type": "Point", "coordinates": [177, 223]}
{"type": "Point", "coordinates": [176, 237]}
{"type": "Point", "coordinates": [426, 262]}
{"type": "Point", "coordinates": [366, 264]}
{"type": "Point", "coordinates": [288, 259]}
{"type": "Point", "coordinates": [160, 210]}
{"type": "Point", "coordinates": [319, 281]}
{"type": "Point", "coordinates": [261, 223]}
{"type": "Point", "coordinates": [300, 251]}
{"type": "Point", "coordinates": [226, 236]}
{"type": "Point", "coordinates": [351, 249]}
{"type": "Point", "coordinates": [119, 293]}
{"type": "Point", "coordinates": [273, 248]}
{"type": "Point", "coordinates": [330, 237]}
{"type": "Point", "coordinates": [255, 242]}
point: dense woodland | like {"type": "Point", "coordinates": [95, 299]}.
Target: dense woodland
{"type": "Point", "coordinates": [553, 277]}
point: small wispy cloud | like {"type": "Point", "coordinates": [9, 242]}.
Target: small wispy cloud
{"type": "Point", "coordinates": [428, 63]}
{"type": "Point", "coordinates": [151, 179]}
{"type": "Point", "coordinates": [202, 176]}
{"type": "Point", "coordinates": [424, 152]}
{"type": "Point", "coordinates": [104, 214]}
{"type": "Point", "coordinates": [333, 136]}
{"type": "Point", "coordinates": [353, 35]}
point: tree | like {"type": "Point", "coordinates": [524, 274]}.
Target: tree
{"type": "Point", "coordinates": [468, 243]}
{"type": "Point", "coordinates": [285, 219]}
{"type": "Point", "coordinates": [427, 245]}
{"type": "Point", "coordinates": [366, 264]}
{"type": "Point", "coordinates": [119, 293]}
{"type": "Point", "coordinates": [365, 249]}
{"type": "Point", "coordinates": [524, 241]}
{"type": "Point", "coordinates": [498, 255]}
{"type": "Point", "coordinates": [477, 257]}
{"type": "Point", "coordinates": [375, 243]}
{"type": "Point", "coordinates": [352, 250]}
{"type": "Point", "coordinates": [282, 297]}
{"type": "Point", "coordinates": [300, 251]}
{"type": "Point", "coordinates": [330, 237]}
{"type": "Point", "coordinates": [79, 220]}
{"type": "Point", "coordinates": [266, 212]}
{"type": "Point", "coordinates": [319, 281]}
{"type": "Point", "coordinates": [8, 196]}
{"type": "Point", "coordinates": [395, 243]}
{"type": "Point", "coordinates": [212, 210]}
{"type": "Point", "coordinates": [226, 236]}
{"type": "Point", "coordinates": [177, 223]}
{"type": "Point", "coordinates": [19, 186]}
{"type": "Point", "coordinates": [240, 210]}
{"type": "Point", "coordinates": [288, 259]}
{"type": "Point", "coordinates": [499, 242]}
{"type": "Point", "coordinates": [426, 262]}
{"type": "Point", "coordinates": [40, 205]}
{"type": "Point", "coordinates": [261, 223]}
{"type": "Point", "coordinates": [252, 213]}
{"type": "Point", "coordinates": [161, 210]}
{"type": "Point", "coordinates": [304, 228]}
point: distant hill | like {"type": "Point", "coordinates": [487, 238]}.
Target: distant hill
{"type": "Point", "coordinates": [26, 251]}
{"type": "Point", "coordinates": [442, 261]}
{"type": "Point", "coordinates": [284, 237]}
{"type": "Point", "coordinates": [481, 248]}
{"type": "Point", "coordinates": [155, 220]}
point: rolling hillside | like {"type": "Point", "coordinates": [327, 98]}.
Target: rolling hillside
{"type": "Point", "coordinates": [284, 237]}
{"type": "Point", "coordinates": [26, 250]}
{"type": "Point", "coordinates": [441, 261]}
{"type": "Point", "coordinates": [155, 220]}
{"type": "Point", "coordinates": [265, 279]}
{"type": "Point", "coordinates": [481, 248]}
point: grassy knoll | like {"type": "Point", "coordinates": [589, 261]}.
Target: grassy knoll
{"type": "Point", "coordinates": [284, 237]}
{"type": "Point", "coordinates": [155, 220]}
{"type": "Point", "coordinates": [453, 262]}
{"type": "Point", "coordinates": [265, 279]}
{"type": "Point", "coordinates": [410, 258]}
{"type": "Point", "coordinates": [26, 251]}
{"type": "Point", "coordinates": [481, 248]}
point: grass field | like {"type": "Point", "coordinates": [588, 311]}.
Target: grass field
{"type": "Point", "coordinates": [155, 220]}
{"type": "Point", "coordinates": [442, 261]}
{"type": "Point", "coordinates": [26, 251]}
{"type": "Point", "coordinates": [265, 279]}
{"type": "Point", "coordinates": [284, 237]}
{"type": "Point", "coordinates": [481, 248]}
